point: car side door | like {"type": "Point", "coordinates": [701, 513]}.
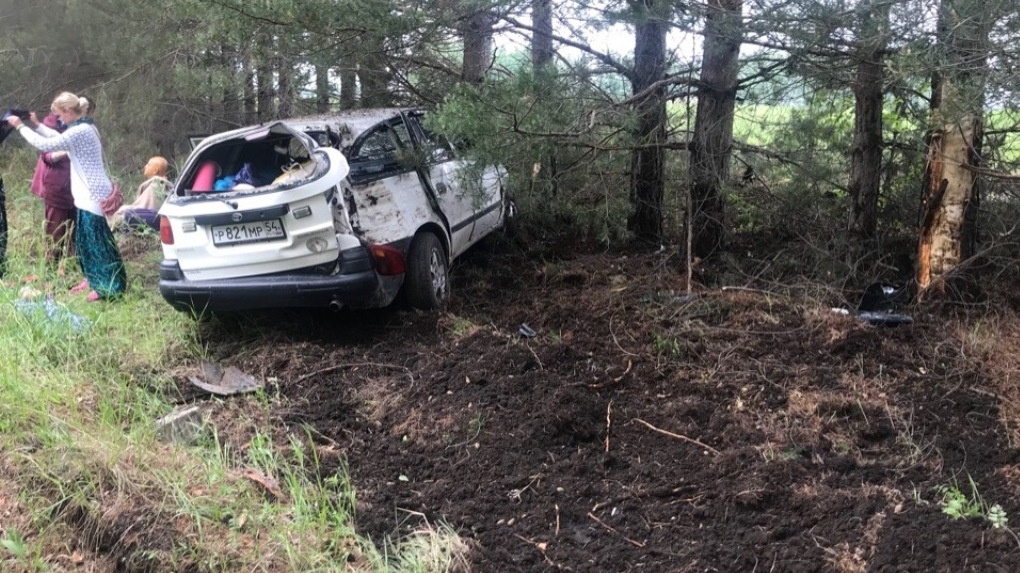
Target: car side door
{"type": "Point", "coordinates": [384, 195]}
{"type": "Point", "coordinates": [440, 172]}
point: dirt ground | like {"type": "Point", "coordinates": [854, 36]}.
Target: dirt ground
{"type": "Point", "coordinates": [745, 428]}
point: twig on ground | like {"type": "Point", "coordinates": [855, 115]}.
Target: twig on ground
{"type": "Point", "coordinates": [609, 422]}
{"type": "Point", "coordinates": [749, 289]}
{"type": "Point", "coordinates": [610, 528]}
{"type": "Point", "coordinates": [679, 437]}
{"type": "Point", "coordinates": [991, 394]}
{"type": "Point", "coordinates": [537, 359]}
{"type": "Point", "coordinates": [617, 341]}
{"type": "Point", "coordinates": [625, 372]}
{"type": "Point", "coordinates": [354, 365]}
{"type": "Point", "coordinates": [541, 546]}
{"type": "Point", "coordinates": [515, 494]}
{"type": "Point", "coordinates": [630, 365]}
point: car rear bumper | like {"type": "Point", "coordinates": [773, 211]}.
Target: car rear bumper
{"type": "Point", "coordinates": [357, 285]}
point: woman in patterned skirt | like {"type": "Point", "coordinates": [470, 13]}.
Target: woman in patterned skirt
{"type": "Point", "coordinates": [95, 244]}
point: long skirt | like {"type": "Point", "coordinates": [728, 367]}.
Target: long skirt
{"type": "Point", "coordinates": [99, 256]}
{"type": "Point", "coordinates": [3, 228]}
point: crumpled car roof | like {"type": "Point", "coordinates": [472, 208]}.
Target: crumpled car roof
{"type": "Point", "coordinates": [356, 121]}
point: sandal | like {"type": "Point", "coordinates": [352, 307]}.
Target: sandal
{"type": "Point", "coordinates": [93, 297]}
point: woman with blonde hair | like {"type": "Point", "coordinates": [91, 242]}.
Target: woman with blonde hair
{"type": "Point", "coordinates": [142, 212]}
{"type": "Point", "coordinates": [95, 245]}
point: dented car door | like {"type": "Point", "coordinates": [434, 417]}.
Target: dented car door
{"type": "Point", "coordinates": [470, 200]}
{"type": "Point", "coordinates": [384, 191]}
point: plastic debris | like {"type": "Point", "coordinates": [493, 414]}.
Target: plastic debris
{"type": "Point", "coordinates": [883, 297]}
{"type": "Point", "coordinates": [225, 382]}
{"type": "Point", "coordinates": [878, 304]}
{"type": "Point", "coordinates": [883, 318]}
{"type": "Point", "coordinates": [183, 425]}
{"type": "Point", "coordinates": [526, 331]}
{"type": "Point", "coordinates": [55, 314]}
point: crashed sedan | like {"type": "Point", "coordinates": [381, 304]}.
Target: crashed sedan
{"type": "Point", "coordinates": [348, 210]}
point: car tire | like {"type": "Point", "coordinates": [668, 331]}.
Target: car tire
{"type": "Point", "coordinates": [427, 282]}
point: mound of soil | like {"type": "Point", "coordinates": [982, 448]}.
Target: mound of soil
{"type": "Point", "coordinates": [642, 429]}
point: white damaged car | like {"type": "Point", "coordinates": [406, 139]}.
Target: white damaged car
{"type": "Point", "coordinates": [333, 211]}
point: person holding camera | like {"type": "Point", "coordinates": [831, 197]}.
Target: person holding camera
{"type": "Point", "coordinates": [91, 187]}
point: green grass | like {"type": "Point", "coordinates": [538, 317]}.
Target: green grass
{"type": "Point", "coordinates": [80, 390]}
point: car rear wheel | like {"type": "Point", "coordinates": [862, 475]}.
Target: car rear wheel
{"type": "Point", "coordinates": [427, 283]}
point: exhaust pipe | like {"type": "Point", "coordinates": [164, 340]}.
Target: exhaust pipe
{"type": "Point", "coordinates": [335, 305]}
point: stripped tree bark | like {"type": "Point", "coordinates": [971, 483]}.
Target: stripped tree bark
{"type": "Point", "coordinates": [947, 233]}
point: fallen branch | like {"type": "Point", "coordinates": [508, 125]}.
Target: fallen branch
{"type": "Point", "coordinates": [353, 365]}
{"type": "Point", "coordinates": [679, 437]}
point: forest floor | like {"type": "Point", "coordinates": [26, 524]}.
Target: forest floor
{"type": "Point", "coordinates": [577, 410]}
{"type": "Point", "coordinates": [745, 428]}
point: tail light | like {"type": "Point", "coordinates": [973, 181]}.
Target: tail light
{"type": "Point", "coordinates": [388, 260]}
{"type": "Point", "coordinates": [166, 234]}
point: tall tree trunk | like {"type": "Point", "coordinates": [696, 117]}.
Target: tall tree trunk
{"type": "Point", "coordinates": [373, 71]}
{"type": "Point", "coordinates": [231, 90]}
{"type": "Point", "coordinates": [541, 37]}
{"type": "Point", "coordinates": [947, 233]}
{"type": "Point", "coordinates": [478, 46]}
{"type": "Point", "coordinates": [348, 85]}
{"type": "Point", "coordinates": [866, 155]}
{"type": "Point", "coordinates": [543, 172]}
{"type": "Point", "coordinates": [321, 88]}
{"type": "Point", "coordinates": [264, 81]}
{"type": "Point", "coordinates": [249, 90]}
{"type": "Point", "coordinates": [647, 159]}
{"type": "Point", "coordinates": [285, 86]}
{"type": "Point", "coordinates": [948, 227]}
{"type": "Point", "coordinates": [712, 140]}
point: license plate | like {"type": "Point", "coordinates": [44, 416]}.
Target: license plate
{"type": "Point", "coordinates": [254, 232]}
